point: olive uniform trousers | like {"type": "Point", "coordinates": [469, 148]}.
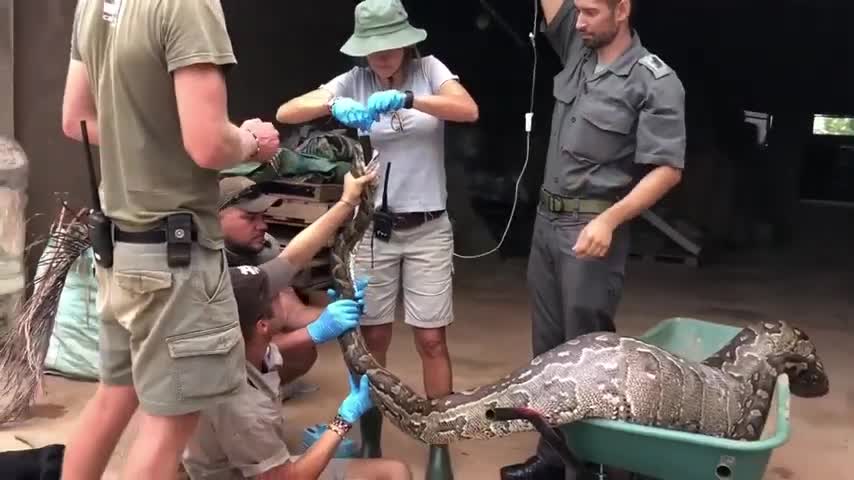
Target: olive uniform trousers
{"type": "Point", "coordinates": [571, 296]}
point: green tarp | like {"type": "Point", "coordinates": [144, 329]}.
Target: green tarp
{"type": "Point", "coordinates": [323, 157]}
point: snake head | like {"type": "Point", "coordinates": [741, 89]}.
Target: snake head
{"type": "Point", "coordinates": [797, 357]}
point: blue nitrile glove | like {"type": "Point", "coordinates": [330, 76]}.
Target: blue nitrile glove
{"type": "Point", "coordinates": [358, 294]}
{"type": "Point", "coordinates": [352, 113]}
{"type": "Point", "coordinates": [357, 402]}
{"type": "Point", "coordinates": [385, 101]}
{"type": "Point", "coordinates": [337, 318]}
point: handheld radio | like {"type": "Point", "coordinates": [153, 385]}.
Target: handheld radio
{"type": "Point", "coordinates": [383, 218]}
{"type": "Point", "coordinates": [100, 227]}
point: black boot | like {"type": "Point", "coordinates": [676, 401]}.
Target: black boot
{"type": "Point", "coordinates": [533, 468]}
{"type": "Point", "coordinates": [439, 464]}
{"type": "Point", "coordinates": [371, 426]}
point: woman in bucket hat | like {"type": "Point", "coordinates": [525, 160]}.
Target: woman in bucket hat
{"type": "Point", "coordinates": [403, 101]}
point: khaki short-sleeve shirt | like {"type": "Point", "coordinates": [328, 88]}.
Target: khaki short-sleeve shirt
{"type": "Point", "coordinates": [244, 436]}
{"type": "Point", "coordinates": [608, 120]}
{"type": "Point", "coordinates": [131, 48]}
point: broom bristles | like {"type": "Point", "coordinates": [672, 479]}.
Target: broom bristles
{"type": "Point", "coordinates": [23, 346]}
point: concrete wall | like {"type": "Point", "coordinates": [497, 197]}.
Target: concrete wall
{"type": "Point", "coordinates": [7, 90]}
{"type": "Point", "coordinates": [57, 165]}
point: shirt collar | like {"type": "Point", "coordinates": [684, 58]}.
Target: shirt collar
{"type": "Point", "coordinates": [623, 64]}
{"type": "Point", "coordinates": [273, 358]}
{"type": "Point", "coordinates": [267, 382]}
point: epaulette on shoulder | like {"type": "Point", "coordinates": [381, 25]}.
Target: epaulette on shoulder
{"type": "Point", "coordinates": [655, 65]}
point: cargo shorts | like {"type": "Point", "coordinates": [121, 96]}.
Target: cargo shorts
{"type": "Point", "coordinates": [172, 333]}
{"type": "Point", "coordinates": [419, 261]}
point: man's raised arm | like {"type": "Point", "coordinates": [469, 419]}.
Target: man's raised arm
{"type": "Point", "coordinates": [559, 28]}
{"type": "Point", "coordinates": [550, 9]}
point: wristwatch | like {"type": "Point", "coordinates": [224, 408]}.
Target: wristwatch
{"type": "Point", "coordinates": [410, 99]}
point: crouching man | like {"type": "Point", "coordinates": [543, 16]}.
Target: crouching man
{"type": "Point", "coordinates": [243, 437]}
{"type": "Point", "coordinates": [241, 215]}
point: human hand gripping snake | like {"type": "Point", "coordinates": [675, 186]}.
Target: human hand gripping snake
{"type": "Point", "coordinates": [598, 375]}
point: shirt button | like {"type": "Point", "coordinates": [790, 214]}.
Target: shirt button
{"type": "Point", "coordinates": [572, 119]}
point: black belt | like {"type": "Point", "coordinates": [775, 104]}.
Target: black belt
{"type": "Point", "coordinates": [403, 221]}
{"type": "Point", "coordinates": [148, 236]}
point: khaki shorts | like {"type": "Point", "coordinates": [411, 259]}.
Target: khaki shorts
{"type": "Point", "coordinates": [420, 260]}
{"type": "Point", "coordinates": [172, 333]}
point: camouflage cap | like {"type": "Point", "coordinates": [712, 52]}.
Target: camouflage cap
{"type": "Point", "coordinates": [243, 193]}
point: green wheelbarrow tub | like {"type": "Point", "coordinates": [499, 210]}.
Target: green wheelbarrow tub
{"type": "Point", "coordinates": [673, 455]}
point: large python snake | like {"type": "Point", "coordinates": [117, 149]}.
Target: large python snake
{"type": "Point", "coordinates": [599, 375]}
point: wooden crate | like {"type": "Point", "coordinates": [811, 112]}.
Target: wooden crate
{"type": "Point", "coordinates": [317, 192]}
{"type": "Point", "coordinates": [297, 212]}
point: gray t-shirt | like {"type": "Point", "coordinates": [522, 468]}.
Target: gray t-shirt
{"type": "Point", "coordinates": [417, 150]}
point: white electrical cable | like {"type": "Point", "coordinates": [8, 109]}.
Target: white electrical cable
{"type": "Point", "coordinates": [528, 121]}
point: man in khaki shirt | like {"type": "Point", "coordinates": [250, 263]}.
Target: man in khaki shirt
{"type": "Point", "coordinates": [243, 206]}
{"type": "Point", "coordinates": [244, 437]}
{"type": "Point", "coordinates": [148, 79]}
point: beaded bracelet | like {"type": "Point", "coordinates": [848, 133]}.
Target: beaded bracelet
{"type": "Point", "coordinates": [340, 426]}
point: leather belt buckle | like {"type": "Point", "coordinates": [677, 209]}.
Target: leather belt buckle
{"type": "Point", "coordinates": [555, 204]}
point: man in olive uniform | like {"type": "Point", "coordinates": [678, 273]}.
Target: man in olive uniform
{"type": "Point", "coordinates": [148, 78]}
{"type": "Point", "coordinates": [618, 108]}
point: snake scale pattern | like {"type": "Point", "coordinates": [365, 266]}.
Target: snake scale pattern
{"type": "Point", "coordinates": [599, 375]}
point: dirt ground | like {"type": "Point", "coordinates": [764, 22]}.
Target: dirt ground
{"type": "Point", "coordinates": [809, 286]}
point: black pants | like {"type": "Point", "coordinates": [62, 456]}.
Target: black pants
{"type": "Point", "coordinates": [571, 296]}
